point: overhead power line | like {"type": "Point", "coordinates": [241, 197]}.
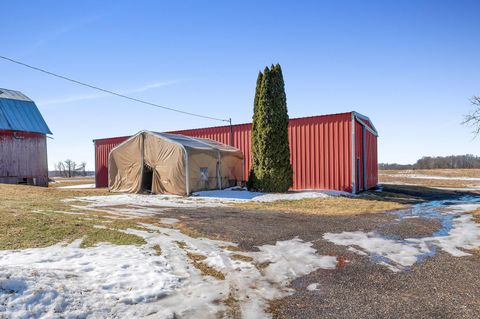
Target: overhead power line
{"type": "Point", "coordinates": [112, 92]}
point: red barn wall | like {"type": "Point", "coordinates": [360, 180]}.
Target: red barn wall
{"type": "Point", "coordinates": [23, 156]}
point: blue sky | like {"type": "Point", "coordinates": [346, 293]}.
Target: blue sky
{"type": "Point", "coordinates": [411, 66]}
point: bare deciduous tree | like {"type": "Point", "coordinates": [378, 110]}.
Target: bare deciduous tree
{"type": "Point", "coordinates": [81, 169]}
{"type": "Point", "coordinates": [473, 118]}
{"type": "Point", "coordinates": [69, 168]}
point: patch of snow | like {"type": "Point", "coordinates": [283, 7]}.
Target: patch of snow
{"type": "Point", "coordinates": [135, 205]}
{"type": "Point", "coordinates": [395, 251]}
{"type": "Point", "coordinates": [357, 251]}
{"type": "Point", "coordinates": [79, 186]}
{"type": "Point", "coordinates": [132, 281]}
{"type": "Point", "coordinates": [100, 281]}
{"type": "Point", "coordinates": [422, 176]}
{"type": "Point", "coordinates": [169, 221]}
{"type": "Point", "coordinates": [435, 187]}
{"type": "Point", "coordinates": [464, 234]}
{"type": "Point", "coordinates": [312, 287]}
{"type": "Point", "coordinates": [235, 194]}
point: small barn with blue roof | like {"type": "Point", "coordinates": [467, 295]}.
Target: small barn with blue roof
{"type": "Point", "coordinates": [23, 140]}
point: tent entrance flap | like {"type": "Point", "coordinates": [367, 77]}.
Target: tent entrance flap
{"type": "Point", "coordinates": [147, 178]}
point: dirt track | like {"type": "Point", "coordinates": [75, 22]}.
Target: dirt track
{"type": "Point", "coordinates": [439, 287]}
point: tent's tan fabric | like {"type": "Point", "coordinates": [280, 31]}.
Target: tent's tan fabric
{"type": "Point", "coordinates": [210, 164]}
{"type": "Point", "coordinates": [203, 169]}
{"type": "Point", "coordinates": [230, 170]}
{"type": "Point", "coordinates": [125, 166]}
{"type": "Point", "coordinates": [231, 160]}
{"type": "Point", "coordinates": [167, 161]}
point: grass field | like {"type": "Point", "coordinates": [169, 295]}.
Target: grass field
{"type": "Point", "coordinates": [366, 203]}
{"type": "Point", "coordinates": [446, 178]}
{"type": "Point", "coordinates": [78, 180]}
{"type": "Point", "coordinates": [437, 172]}
{"type": "Point", "coordinates": [34, 217]}
{"type": "Point", "coordinates": [38, 217]}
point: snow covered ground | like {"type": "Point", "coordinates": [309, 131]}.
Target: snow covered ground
{"type": "Point", "coordinates": [108, 281]}
{"type": "Point", "coordinates": [79, 186]}
{"type": "Point", "coordinates": [241, 195]}
{"type": "Point", "coordinates": [458, 234]}
{"type": "Point", "coordinates": [422, 176]}
{"type": "Point", "coordinates": [134, 205]}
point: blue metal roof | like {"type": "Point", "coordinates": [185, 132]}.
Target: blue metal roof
{"type": "Point", "coordinates": [19, 113]}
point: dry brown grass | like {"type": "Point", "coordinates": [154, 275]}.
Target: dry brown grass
{"type": "Point", "coordinates": [181, 244]}
{"type": "Point", "coordinates": [262, 266]}
{"type": "Point", "coordinates": [158, 249]}
{"type": "Point", "coordinates": [274, 307]}
{"type": "Point", "coordinates": [184, 229]}
{"type": "Point", "coordinates": [367, 203]}
{"type": "Point", "coordinates": [231, 248]}
{"type": "Point", "coordinates": [428, 182]}
{"type": "Point", "coordinates": [204, 268]}
{"type": "Point", "coordinates": [233, 307]}
{"type": "Point", "coordinates": [33, 217]}
{"type": "Point", "coordinates": [242, 257]}
{"type": "Point", "coordinates": [407, 177]}
{"type": "Point", "coordinates": [473, 172]}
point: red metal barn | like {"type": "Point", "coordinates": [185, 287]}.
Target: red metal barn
{"type": "Point", "coordinates": [335, 152]}
{"type": "Point", "coordinates": [23, 141]}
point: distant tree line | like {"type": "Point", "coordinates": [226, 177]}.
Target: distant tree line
{"type": "Point", "coordinates": [69, 168]}
{"type": "Point", "coordinates": [429, 162]}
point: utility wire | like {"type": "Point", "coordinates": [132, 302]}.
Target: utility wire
{"type": "Point", "coordinates": [111, 92]}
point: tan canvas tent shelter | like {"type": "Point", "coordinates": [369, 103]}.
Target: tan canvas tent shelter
{"type": "Point", "coordinates": [172, 164]}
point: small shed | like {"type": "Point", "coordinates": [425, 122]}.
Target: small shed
{"type": "Point", "coordinates": [23, 140]}
{"type": "Point", "coordinates": [163, 163]}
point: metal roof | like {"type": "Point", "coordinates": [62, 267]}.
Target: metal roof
{"type": "Point", "coordinates": [198, 143]}
{"type": "Point", "coordinates": [19, 113]}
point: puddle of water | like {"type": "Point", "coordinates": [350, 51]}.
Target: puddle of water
{"type": "Point", "coordinates": [456, 234]}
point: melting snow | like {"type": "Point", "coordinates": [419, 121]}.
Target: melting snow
{"type": "Point", "coordinates": [459, 233]}
{"type": "Point", "coordinates": [134, 205]}
{"type": "Point", "coordinates": [132, 281]}
{"type": "Point", "coordinates": [240, 194]}
{"type": "Point", "coordinates": [79, 186]}
{"type": "Point", "coordinates": [312, 287]}
{"type": "Point", "coordinates": [422, 176]}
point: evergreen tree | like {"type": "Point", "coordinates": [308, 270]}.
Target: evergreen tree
{"type": "Point", "coordinates": [271, 168]}
{"type": "Point", "coordinates": [251, 176]}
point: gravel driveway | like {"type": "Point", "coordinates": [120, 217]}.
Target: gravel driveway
{"type": "Point", "coordinates": [440, 286]}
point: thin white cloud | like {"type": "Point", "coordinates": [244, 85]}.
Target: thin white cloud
{"type": "Point", "coordinates": [77, 98]}
{"type": "Point", "coordinates": [50, 36]}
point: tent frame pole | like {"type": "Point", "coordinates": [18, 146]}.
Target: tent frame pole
{"type": "Point", "coordinates": [142, 156]}
{"type": "Point", "coordinates": [187, 178]}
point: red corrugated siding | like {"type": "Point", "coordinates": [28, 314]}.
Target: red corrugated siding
{"type": "Point", "coordinates": [320, 150]}
{"type": "Point", "coordinates": [102, 149]}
